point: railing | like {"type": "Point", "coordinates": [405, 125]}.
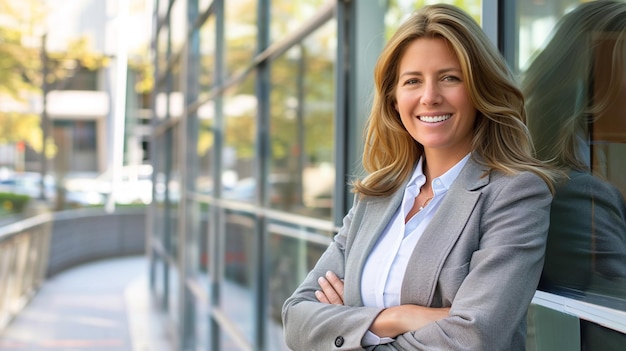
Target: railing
{"type": "Point", "coordinates": [23, 257]}
{"type": "Point", "coordinates": [38, 247]}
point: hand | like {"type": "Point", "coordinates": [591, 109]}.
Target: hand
{"type": "Point", "coordinates": [397, 320]}
{"type": "Point", "coordinates": [332, 289]}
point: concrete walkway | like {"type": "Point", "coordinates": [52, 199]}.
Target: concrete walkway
{"type": "Point", "coordinates": [98, 306]}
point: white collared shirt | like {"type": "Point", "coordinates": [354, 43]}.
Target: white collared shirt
{"type": "Point", "coordinates": [385, 267]}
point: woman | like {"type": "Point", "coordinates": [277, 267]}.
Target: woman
{"type": "Point", "coordinates": [444, 245]}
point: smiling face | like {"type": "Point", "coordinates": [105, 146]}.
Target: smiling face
{"type": "Point", "coordinates": [432, 98]}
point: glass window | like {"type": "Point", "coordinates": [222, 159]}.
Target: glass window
{"type": "Point", "coordinates": [293, 252]}
{"type": "Point", "coordinates": [400, 9]}
{"type": "Point", "coordinates": [302, 126]}
{"type": "Point", "coordinates": [236, 289]}
{"type": "Point", "coordinates": [238, 153]}
{"type": "Point", "coordinates": [207, 55]}
{"type": "Point", "coordinates": [76, 143]}
{"type": "Point", "coordinates": [173, 294]}
{"type": "Point", "coordinates": [178, 24]}
{"type": "Point", "coordinates": [204, 251]}
{"type": "Point", "coordinates": [241, 36]}
{"type": "Point", "coordinates": [575, 93]}
{"type": "Point", "coordinates": [205, 149]}
{"type": "Point", "coordinates": [162, 46]}
{"type": "Point", "coordinates": [158, 278]}
{"type": "Point", "coordinates": [536, 20]}
{"type": "Point", "coordinates": [288, 15]}
{"type": "Point", "coordinates": [85, 135]}
{"type": "Point", "coordinates": [206, 112]}
{"type": "Point", "coordinates": [574, 79]}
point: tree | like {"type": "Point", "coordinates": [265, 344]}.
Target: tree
{"type": "Point", "coordinates": [19, 66]}
{"type": "Point", "coordinates": [22, 57]}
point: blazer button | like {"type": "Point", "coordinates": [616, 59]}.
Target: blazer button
{"type": "Point", "coordinates": [339, 341]}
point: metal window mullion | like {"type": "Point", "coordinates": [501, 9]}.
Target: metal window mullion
{"type": "Point", "coordinates": [508, 32]}
{"type": "Point", "coordinates": [151, 213]}
{"type": "Point", "coordinates": [217, 231]}
{"type": "Point", "coordinates": [167, 171]}
{"type": "Point", "coordinates": [262, 86]}
{"type": "Point", "coordinates": [341, 112]}
{"type": "Point", "coordinates": [489, 19]}
{"type": "Point", "coordinates": [361, 36]}
{"type": "Point", "coordinates": [187, 226]}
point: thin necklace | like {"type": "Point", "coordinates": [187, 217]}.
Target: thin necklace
{"type": "Point", "coordinates": [425, 203]}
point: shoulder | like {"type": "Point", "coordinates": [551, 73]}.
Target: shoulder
{"type": "Point", "coordinates": [525, 177]}
{"type": "Point", "coordinates": [514, 190]}
{"type": "Point", "coordinates": [476, 176]}
{"type": "Point", "coordinates": [522, 182]}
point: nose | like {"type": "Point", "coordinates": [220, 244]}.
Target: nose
{"type": "Point", "coordinates": [431, 94]}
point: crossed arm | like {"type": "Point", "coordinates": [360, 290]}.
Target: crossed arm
{"type": "Point", "coordinates": [392, 321]}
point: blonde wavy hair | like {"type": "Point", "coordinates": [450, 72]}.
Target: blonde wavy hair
{"type": "Point", "coordinates": [559, 83]}
{"type": "Point", "coordinates": [501, 138]}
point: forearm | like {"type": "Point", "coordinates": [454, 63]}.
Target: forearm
{"type": "Point", "coordinates": [397, 320]}
{"type": "Point", "coordinates": [316, 326]}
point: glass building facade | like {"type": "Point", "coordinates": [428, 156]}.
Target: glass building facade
{"type": "Point", "coordinates": [259, 110]}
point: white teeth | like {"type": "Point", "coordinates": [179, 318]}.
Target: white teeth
{"type": "Point", "coordinates": [434, 119]}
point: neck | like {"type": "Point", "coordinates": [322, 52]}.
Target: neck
{"type": "Point", "coordinates": [437, 162]}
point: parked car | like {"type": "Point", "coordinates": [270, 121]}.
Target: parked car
{"type": "Point", "coordinates": [27, 183]}
{"type": "Point", "coordinates": [134, 185]}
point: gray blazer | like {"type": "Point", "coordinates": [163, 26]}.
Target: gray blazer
{"type": "Point", "coordinates": [481, 255]}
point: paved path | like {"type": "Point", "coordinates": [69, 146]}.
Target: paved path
{"type": "Point", "coordinates": [97, 306]}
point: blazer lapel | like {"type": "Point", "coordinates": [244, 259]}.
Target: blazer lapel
{"type": "Point", "coordinates": [376, 216]}
{"type": "Point", "coordinates": [439, 237]}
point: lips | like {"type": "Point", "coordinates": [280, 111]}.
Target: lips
{"type": "Point", "coordinates": [434, 119]}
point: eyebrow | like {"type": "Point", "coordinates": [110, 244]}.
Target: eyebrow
{"type": "Point", "coordinates": [441, 71]}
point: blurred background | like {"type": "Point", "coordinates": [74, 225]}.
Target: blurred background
{"type": "Point", "coordinates": [186, 162]}
{"type": "Point", "coordinates": [75, 82]}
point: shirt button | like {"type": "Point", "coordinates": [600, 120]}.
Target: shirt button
{"type": "Point", "coordinates": [339, 341]}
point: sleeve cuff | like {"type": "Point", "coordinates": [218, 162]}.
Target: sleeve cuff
{"type": "Point", "coordinates": [370, 339]}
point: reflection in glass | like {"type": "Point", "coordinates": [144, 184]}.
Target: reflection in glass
{"type": "Point", "coordinates": [227, 343]}
{"type": "Point", "coordinates": [240, 109]}
{"type": "Point", "coordinates": [292, 256]}
{"type": "Point", "coordinates": [201, 322]}
{"type": "Point", "coordinates": [587, 242]}
{"type": "Point", "coordinates": [173, 294]}
{"type": "Point", "coordinates": [178, 18]}
{"type": "Point", "coordinates": [204, 258]}
{"type": "Point", "coordinates": [535, 21]}
{"type": "Point", "coordinates": [302, 126]}
{"type": "Point", "coordinates": [241, 39]}
{"type": "Point", "coordinates": [575, 90]}
{"type": "Point", "coordinates": [206, 76]}
{"type": "Point", "coordinates": [158, 278]}
{"type": "Point", "coordinates": [236, 289]}
{"type": "Point", "coordinates": [206, 112]}
{"type": "Point", "coordinates": [399, 10]}
{"type": "Point", "coordinates": [173, 192]}
{"type": "Point", "coordinates": [162, 47]}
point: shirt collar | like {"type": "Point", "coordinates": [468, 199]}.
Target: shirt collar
{"type": "Point", "coordinates": [441, 183]}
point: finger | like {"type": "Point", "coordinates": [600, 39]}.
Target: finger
{"type": "Point", "coordinates": [321, 297]}
{"type": "Point", "coordinates": [335, 282]}
{"type": "Point", "coordinates": [329, 291]}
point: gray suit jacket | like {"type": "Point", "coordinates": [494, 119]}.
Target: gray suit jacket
{"type": "Point", "coordinates": [481, 255]}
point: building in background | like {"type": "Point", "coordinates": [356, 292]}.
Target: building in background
{"type": "Point", "coordinates": [103, 48]}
